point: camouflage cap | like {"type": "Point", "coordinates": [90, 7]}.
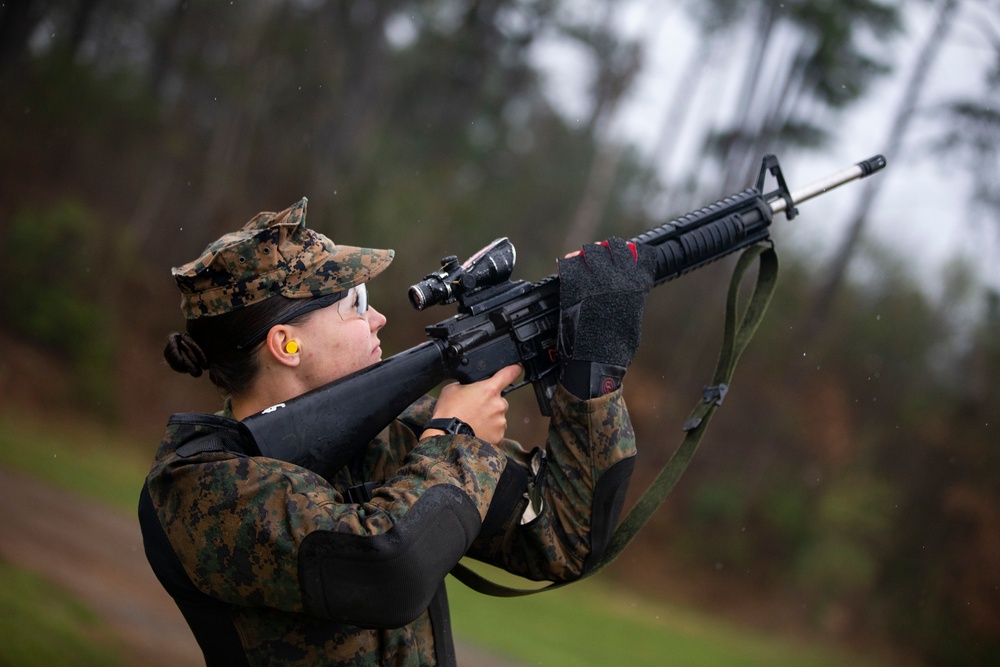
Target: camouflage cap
{"type": "Point", "coordinates": [273, 254]}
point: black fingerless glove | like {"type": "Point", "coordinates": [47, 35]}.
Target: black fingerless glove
{"type": "Point", "coordinates": [601, 296]}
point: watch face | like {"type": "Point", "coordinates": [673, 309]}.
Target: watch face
{"type": "Point", "coordinates": [463, 428]}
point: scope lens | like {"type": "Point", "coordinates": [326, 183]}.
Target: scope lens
{"type": "Point", "coordinates": [429, 292]}
{"type": "Point", "coordinates": [417, 297]}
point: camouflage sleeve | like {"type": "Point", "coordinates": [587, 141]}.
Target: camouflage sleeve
{"type": "Point", "coordinates": [419, 413]}
{"type": "Point", "coordinates": [256, 531]}
{"type": "Point", "coordinates": [575, 491]}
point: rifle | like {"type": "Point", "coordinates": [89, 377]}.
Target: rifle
{"type": "Point", "coordinates": [502, 322]}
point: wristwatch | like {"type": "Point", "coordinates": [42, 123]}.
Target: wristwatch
{"type": "Point", "coordinates": [450, 425]}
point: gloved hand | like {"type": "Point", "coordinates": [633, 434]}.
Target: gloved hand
{"type": "Point", "coordinates": [602, 291]}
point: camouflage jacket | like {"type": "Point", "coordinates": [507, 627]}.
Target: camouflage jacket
{"type": "Point", "coordinates": [272, 564]}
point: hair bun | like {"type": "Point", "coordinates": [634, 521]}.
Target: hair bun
{"type": "Point", "coordinates": [185, 355]}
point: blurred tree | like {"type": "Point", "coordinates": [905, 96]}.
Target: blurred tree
{"type": "Point", "coordinates": [616, 64]}
{"type": "Point", "coordinates": [54, 293]}
{"type": "Point", "coordinates": [18, 19]}
{"type": "Point", "coordinates": [164, 34]}
{"type": "Point", "coordinates": [941, 574]}
{"type": "Point", "coordinates": [79, 26]}
{"type": "Point", "coordinates": [940, 23]}
{"type": "Point", "coordinates": [804, 60]}
{"type": "Point", "coordinates": [424, 126]}
{"type": "Point", "coordinates": [972, 123]}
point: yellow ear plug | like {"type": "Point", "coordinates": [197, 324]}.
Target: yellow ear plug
{"type": "Point", "coordinates": [292, 347]}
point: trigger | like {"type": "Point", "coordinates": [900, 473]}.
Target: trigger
{"type": "Point", "coordinates": [511, 387]}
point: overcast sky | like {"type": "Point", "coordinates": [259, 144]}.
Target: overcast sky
{"type": "Point", "coordinates": [922, 208]}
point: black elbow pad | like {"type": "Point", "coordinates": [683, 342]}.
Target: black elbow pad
{"type": "Point", "coordinates": [609, 498]}
{"type": "Point", "coordinates": [388, 580]}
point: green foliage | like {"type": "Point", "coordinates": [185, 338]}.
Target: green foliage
{"type": "Point", "coordinates": [110, 105]}
{"type": "Point", "coordinates": [868, 487]}
{"type": "Point", "coordinates": [853, 521]}
{"type": "Point", "coordinates": [716, 521]}
{"type": "Point", "coordinates": [52, 260]}
{"type": "Point", "coordinates": [949, 476]}
{"type": "Point", "coordinates": [839, 68]}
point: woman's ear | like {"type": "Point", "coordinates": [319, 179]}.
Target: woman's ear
{"type": "Point", "coordinates": [283, 346]}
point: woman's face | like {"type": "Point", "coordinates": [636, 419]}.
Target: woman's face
{"type": "Point", "coordinates": [339, 339]}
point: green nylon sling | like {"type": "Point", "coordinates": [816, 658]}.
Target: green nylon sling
{"type": "Point", "coordinates": [735, 340]}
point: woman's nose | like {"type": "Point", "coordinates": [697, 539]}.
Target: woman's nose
{"type": "Point", "coordinates": [376, 320]}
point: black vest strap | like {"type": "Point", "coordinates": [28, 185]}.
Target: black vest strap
{"type": "Point", "coordinates": [444, 645]}
{"type": "Point", "coordinates": [223, 435]}
{"type": "Point", "coordinates": [208, 618]}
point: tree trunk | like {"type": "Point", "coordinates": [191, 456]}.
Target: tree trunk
{"type": "Point", "coordinates": [18, 20]}
{"type": "Point", "coordinates": [748, 107]}
{"type": "Point", "coordinates": [79, 27]}
{"type": "Point", "coordinates": [617, 69]}
{"type": "Point", "coordinates": [162, 59]}
{"type": "Point", "coordinates": [837, 270]}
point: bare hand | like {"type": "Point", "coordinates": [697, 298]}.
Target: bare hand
{"type": "Point", "coordinates": [478, 404]}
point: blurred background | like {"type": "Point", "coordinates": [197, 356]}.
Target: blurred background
{"type": "Point", "coordinates": [847, 491]}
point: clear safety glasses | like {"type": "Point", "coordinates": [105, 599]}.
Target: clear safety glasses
{"type": "Point", "coordinates": [354, 302]}
{"type": "Point", "coordinates": [351, 304]}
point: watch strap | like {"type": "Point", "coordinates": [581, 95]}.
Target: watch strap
{"type": "Point", "coordinates": [450, 425]}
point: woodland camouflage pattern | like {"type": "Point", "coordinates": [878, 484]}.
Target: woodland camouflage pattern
{"type": "Point", "coordinates": [272, 254]}
{"type": "Point", "coordinates": [236, 521]}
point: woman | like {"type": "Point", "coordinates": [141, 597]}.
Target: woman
{"type": "Point", "coordinates": [271, 563]}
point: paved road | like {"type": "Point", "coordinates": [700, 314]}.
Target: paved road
{"type": "Point", "coordinates": [96, 554]}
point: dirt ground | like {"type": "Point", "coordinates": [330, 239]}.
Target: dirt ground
{"type": "Point", "coordinates": [96, 555]}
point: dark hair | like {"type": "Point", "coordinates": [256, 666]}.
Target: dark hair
{"type": "Point", "coordinates": [213, 343]}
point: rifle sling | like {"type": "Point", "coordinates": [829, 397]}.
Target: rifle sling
{"type": "Point", "coordinates": [734, 342]}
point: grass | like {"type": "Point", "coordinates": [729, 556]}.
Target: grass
{"type": "Point", "coordinates": [590, 623]}
{"type": "Point", "coordinates": [41, 623]}
{"type": "Point", "coordinates": [84, 458]}
{"type": "Point", "coordinates": [593, 623]}
{"type": "Point", "coordinates": [43, 626]}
